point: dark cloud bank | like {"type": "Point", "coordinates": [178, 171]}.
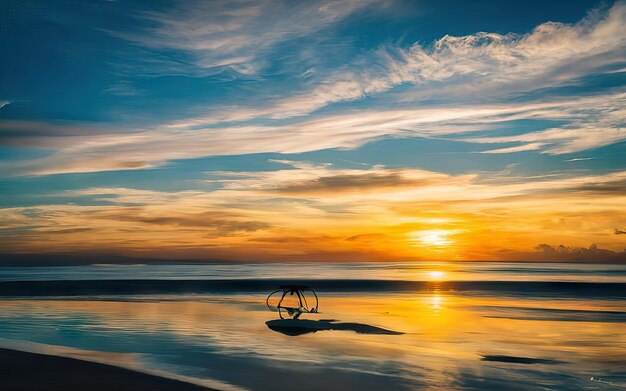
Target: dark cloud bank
{"type": "Point", "coordinates": [561, 253]}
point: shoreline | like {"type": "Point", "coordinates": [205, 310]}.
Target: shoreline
{"type": "Point", "coordinates": [25, 371]}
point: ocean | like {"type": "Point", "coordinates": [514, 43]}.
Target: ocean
{"type": "Point", "coordinates": [461, 326]}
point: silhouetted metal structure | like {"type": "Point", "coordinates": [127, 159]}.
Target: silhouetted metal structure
{"type": "Point", "coordinates": [292, 300]}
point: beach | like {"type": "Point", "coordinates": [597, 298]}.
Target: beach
{"type": "Point", "coordinates": [22, 371]}
{"type": "Point", "coordinates": [474, 326]}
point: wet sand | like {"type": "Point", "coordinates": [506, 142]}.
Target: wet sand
{"type": "Point", "coordinates": [296, 327]}
{"type": "Point", "coordinates": [21, 371]}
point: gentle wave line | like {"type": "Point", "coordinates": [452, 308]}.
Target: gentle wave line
{"type": "Point", "coordinates": [606, 290]}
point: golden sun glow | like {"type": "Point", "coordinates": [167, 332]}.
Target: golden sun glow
{"type": "Point", "coordinates": [436, 275]}
{"type": "Point", "coordinates": [433, 237]}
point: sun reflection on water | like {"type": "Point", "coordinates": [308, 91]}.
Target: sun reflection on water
{"type": "Point", "coordinates": [435, 302]}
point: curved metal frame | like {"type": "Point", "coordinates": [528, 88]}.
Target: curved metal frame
{"type": "Point", "coordinates": [303, 303]}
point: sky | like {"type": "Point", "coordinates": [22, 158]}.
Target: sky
{"type": "Point", "coordinates": [390, 130]}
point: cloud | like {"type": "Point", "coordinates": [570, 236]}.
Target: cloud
{"type": "Point", "coordinates": [153, 208]}
{"type": "Point", "coordinates": [63, 231]}
{"type": "Point", "coordinates": [237, 35]}
{"type": "Point", "coordinates": [123, 88]}
{"type": "Point", "coordinates": [247, 215]}
{"type": "Point", "coordinates": [13, 218]}
{"type": "Point", "coordinates": [492, 66]}
{"type": "Point", "coordinates": [619, 231]}
{"type": "Point", "coordinates": [579, 254]}
{"type": "Point", "coordinates": [479, 66]}
{"type": "Point", "coordinates": [484, 65]}
{"type": "Point", "coordinates": [521, 148]}
{"type": "Point", "coordinates": [365, 237]}
{"type": "Point", "coordinates": [151, 148]}
{"type": "Point", "coordinates": [127, 196]}
{"type": "Point", "coordinates": [365, 182]}
{"type": "Point", "coordinates": [322, 180]}
{"type": "Point", "coordinates": [595, 127]}
{"type": "Point", "coordinates": [286, 239]}
{"type": "Point", "coordinates": [578, 159]}
{"type": "Point", "coordinates": [222, 223]}
{"type": "Point", "coordinates": [55, 135]}
{"type": "Point", "coordinates": [552, 54]}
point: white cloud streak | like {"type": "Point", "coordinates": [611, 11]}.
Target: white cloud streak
{"type": "Point", "coordinates": [152, 148]}
{"type": "Point", "coordinates": [482, 64]}
{"type": "Point", "coordinates": [238, 34]}
{"type": "Point", "coordinates": [552, 54]}
{"type": "Point", "coordinates": [602, 123]}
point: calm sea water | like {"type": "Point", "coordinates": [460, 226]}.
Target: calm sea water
{"type": "Point", "coordinates": [510, 327]}
{"type": "Point", "coordinates": [463, 271]}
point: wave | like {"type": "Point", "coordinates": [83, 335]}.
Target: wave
{"type": "Point", "coordinates": [552, 314]}
{"type": "Point", "coordinates": [605, 290]}
{"type": "Point", "coordinates": [118, 265]}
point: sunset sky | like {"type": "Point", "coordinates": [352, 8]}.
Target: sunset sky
{"type": "Point", "coordinates": [314, 130]}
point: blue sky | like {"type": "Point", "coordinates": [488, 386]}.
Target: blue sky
{"type": "Point", "coordinates": [98, 99]}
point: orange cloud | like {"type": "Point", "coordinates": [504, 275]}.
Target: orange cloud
{"type": "Point", "coordinates": [314, 210]}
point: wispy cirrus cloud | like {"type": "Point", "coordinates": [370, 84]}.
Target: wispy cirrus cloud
{"type": "Point", "coordinates": [603, 124]}
{"type": "Point", "coordinates": [238, 35]}
{"type": "Point", "coordinates": [326, 184]}
{"type": "Point", "coordinates": [480, 66]}
{"type": "Point", "coordinates": [552, 54]}
{"type": "Point", "coordinates": [561, 140]}
{"type": "Point", "coordinates": [150, 148]}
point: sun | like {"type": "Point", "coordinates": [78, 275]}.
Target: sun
{"type": "Point", "coordinates": [433, 237]}
{"type": "Point", "coordinates": [436, 274]}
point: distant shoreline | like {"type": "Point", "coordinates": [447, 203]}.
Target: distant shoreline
{"type": "Point", "coordinates": [23, 371]}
